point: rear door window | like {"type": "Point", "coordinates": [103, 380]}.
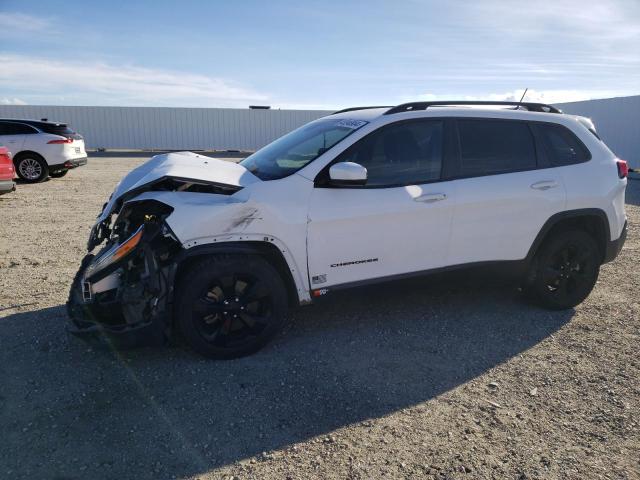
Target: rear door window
{"type": "Point", "coordinates": [11, 128]}
{"type": "Point", "coordinates": [489, 147]}
{"type": "Point", "coordinates": [563, 147]}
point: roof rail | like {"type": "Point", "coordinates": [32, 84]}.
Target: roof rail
{"type": "Point", "coordinates": [532, 107]}
{"type": "Point", "coordinates": [353, 109]}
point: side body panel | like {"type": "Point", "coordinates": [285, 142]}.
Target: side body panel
{"type": "Point", "coordinates": [13, 143]}
{"type": "Point", "coordinates": [498, 217]}
{"type": "Point", "coordinates": [361, 234]}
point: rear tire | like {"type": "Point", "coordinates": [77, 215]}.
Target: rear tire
{"type": "Point", "coordinates": [564, 270]}
{"type": "Point", "coordinates": [59, 173]}
{"type": "Point", "coordinates": [31, 167]}
{"type": "Point", "coordinates": [229, 306]}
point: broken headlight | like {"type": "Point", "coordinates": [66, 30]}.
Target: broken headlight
{"type": "Point", "coordinates": [138, 222]}
{"type": "Point", "coordinates": [116, 253]}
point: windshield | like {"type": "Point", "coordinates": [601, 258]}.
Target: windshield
{"type": "Point", "coordinates": [293, 151]}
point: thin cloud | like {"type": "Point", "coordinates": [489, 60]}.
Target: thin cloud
{"type": "Point", "coordinates": [107, 84]}
{"type": "Point", "coordinates": [594, 24]}
{"type": "Point", "coordinates": [12, 101]}
{"type": "Point", "coordinates": [12, 22]}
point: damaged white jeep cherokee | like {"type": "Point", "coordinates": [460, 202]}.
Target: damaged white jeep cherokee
{"type": "Point", "coordinates": [218, 251]}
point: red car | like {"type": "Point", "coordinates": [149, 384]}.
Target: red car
{"type": "Point", "coordinates": [7, 171]}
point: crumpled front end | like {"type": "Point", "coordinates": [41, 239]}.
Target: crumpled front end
{"type": "Point", "coordinates": [124, 290]}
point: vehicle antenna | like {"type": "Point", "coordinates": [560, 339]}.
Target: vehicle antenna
{"type": "Point", "coordinates": [522, 98]}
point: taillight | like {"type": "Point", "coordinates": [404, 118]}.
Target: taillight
{"type": "Point", "coordinates": [61, 140]}
{"type": "Point", "coordinates": [623, 168]}
{"type": "Point", "coordinates": [7, 170]}
{"type": "Point", "coordinates": [5, 155]}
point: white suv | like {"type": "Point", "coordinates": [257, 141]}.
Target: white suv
{"type": "Point", "coordinates": [42, 148]}
{"type": "Point", "coordinates": [218, 250]}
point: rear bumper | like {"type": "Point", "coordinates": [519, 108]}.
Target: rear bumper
{"type": "Point", "coordinates": [69, 164]}
{"type": "Point", "coordinates": [7, 186]}
{"type": "Point", "coordinates": [614, 246]}
{"type": "Point", "coordinates": [78, 162]}
{"type": "Point", "coordinates": [75, 162]}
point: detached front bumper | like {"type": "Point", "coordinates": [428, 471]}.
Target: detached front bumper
{"type": "Point", "coordinates": [128, 304]}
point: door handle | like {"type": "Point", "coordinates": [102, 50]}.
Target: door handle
{"type": "Point", "coordinates": [431, 197]}
{"type": "Point", "coordinates": [544, 185]}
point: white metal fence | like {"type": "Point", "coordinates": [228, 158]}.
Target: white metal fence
{"type": "Point", "coordinates": [170, 128]}
{"type": "Point", "coordinates": [617, 121]}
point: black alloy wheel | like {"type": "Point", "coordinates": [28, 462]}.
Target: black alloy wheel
{"type": "Point", "coordinates": [232, 309]}
{"type": "Point", "coordinates": [231, 306]}
{"type": "Point", "coordinates": [566, 269]}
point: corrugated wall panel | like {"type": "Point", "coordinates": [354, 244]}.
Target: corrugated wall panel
{"type": "Point", "coordinates": [170, 128]}
{"type": "Point", "coordinates": [617, 121]}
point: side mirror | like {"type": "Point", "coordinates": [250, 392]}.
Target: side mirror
{"type": "Point", "coordinates": [347, 174]}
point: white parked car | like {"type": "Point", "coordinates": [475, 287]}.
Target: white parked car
{"type": "Point", "coordinates": [218, 250]}
{"type": "Point", "coordinates": [41, 149]}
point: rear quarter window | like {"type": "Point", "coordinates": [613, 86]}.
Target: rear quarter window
{"type": "Point", "coordinates": [57, 129]}
{"type": "Point", "coordinates": [562, 145]}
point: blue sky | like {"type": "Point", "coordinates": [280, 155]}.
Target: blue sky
{"type": "Point", "coordinates": [308, 54]}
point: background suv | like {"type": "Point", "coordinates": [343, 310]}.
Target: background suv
{"type": "Point", "coordinates": [41, 149]}
{"type": "Point", "coordinates": [219, 250]}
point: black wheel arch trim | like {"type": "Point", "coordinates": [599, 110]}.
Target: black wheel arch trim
{"type": "Point", "coordinates": [560, 217]}
{"type": "Point", "coordinates": [266, 250]}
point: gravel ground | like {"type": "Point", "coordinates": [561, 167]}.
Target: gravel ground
{"type": "Point", "coordinates": [437, 378]}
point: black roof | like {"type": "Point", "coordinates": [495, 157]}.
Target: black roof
{"type": "Point", "coordinates": [34, 123]}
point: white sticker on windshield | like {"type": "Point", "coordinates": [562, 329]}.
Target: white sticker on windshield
{"type": "Point", "coordinates": [353, 124]}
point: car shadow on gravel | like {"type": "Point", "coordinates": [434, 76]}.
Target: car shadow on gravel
{"type": "Point", "coordinates": [164, 412]}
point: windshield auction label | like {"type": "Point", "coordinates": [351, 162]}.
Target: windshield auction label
{"type": "Point", "coordinates": [353, 124]}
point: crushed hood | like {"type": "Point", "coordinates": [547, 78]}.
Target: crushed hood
{"type": "Point", "coordinates": [179, 165]}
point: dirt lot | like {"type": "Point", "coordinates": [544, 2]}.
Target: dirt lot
{"type": "Point", "coordinates": [431, 379]}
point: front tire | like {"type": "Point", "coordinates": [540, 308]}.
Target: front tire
{"type": "Point", "coordinates": [230, 306]}
{"type": "Point", "coordinates": [31, 168]}
{"type": "Point", "coordinates": [565, 270]}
